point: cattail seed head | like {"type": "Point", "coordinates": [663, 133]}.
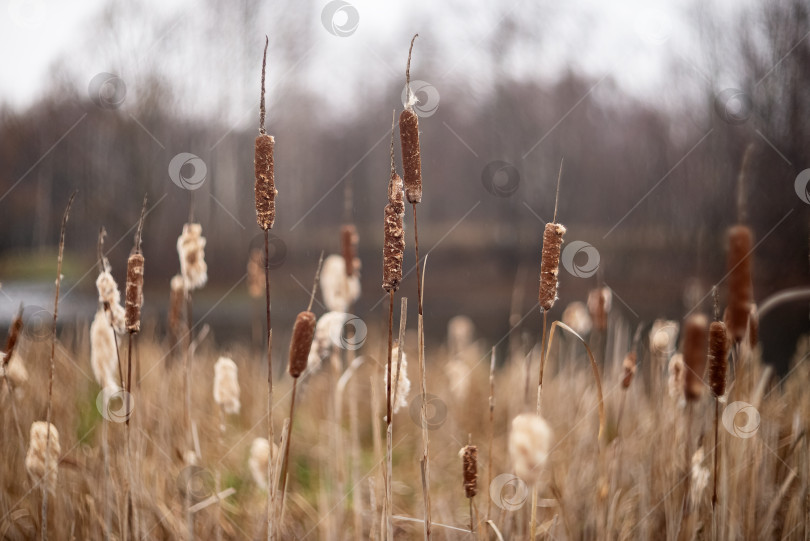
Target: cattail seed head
{"type": "Point", "coordinates": [718, 357]}
{"type": "Point", "coordinates": [15, 371]}
{"type": "Point", "coordinates": [109, 296]}
{"type": "Point", "coordinates": [339, 290]}
{"type": "Point", "coordinates": [191, 249]}
{"type": "Point", "coordinates": [411, 157]}
{"type": "Point", "coordinates": [226, 386]}
{"type": "Point", "coordinates": [303, 333]}
{"type": "Point", "coordinates": [599, 304]}
{"type": "Point", "coordinates": [260, 454]}
{"type": "Point", "coordinates": [577, 317]}
{"type": "Point", "coordinates": [628, 369]}
{"type": "Point", "coordinates": [348, 245]}
{"type": "Point", "coordinates": [740, 286]}
{"type": "Point", "coordinates": [265, 182]}
{"type": "Point", "coordinates": [103, 355]}
{"type": "Point", "coordinates": [695, 342]}
{"type": "Point", "coordinates": [550, 264]}
{"type": "Point", "coordinates": [403, 385]}
{"type": "Point", "coordinates": [469, 457]}
{"type": "Point", "coordinates": [134, 292]}
{"type": "Point", "coordinates": [394, 244]}
{"type": "Point", "coordinates": [529, 446]}
{"type": "Point", "coordinates": [41, 467]}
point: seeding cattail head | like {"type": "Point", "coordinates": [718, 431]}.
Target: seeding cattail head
{"type": "Point", "coordinates": [700, 477]}
{"type": "Point", "coordinates": [469, 457]}
{"type": "Point", "coordinates": [577, 317]}
{"type": "Point", "coordinates": [403, 385]}
{"type": "Point", "coordinates": [265, 187]}
{"type": "Point", "coordinates": [339, 290]}
{"type": "Point", "coordinates": [348, 245]}
{"type": "Point", "coordinates": [134, 299]}
{"type": "Point", "coordinates": [226, 386]}
{"type": "Point", "coordinates": [394, 244]}
{"type": "Point", "coordinates": [695, 342]}
{"type": "Point", "coordinates": [15, 371]}
{"type": "Point", "coordinates": [460, 334]}
{"type": "Point", "coordinates": [599, 304]}
{"type": "Point", "coordinates": [550, 264]}
{"type": "Point", "coordinates": [191, 249]}
{"type": "Point", "coordinates": [628, 369]}
{"type": "Point", "coordinates": [718, 357]}
{"type": "Point", "coordinates": [103, 354]}
{"type": "Point", "coordinates": [13, 336]}
{"type": "Point", "coordinates": [328, 330]}
{"type": "Point", "coordinates": [411, 157]}
{"type": "Point", "coordinates": [675, 377]}
{"type": "Point", "coordinates": [303, 333]}
{"type": "Point", "coordinates": [529, 446]}
{"type": "Point", "coordinates": [41, 467]}
{"type": "Point", "coordinates": [110, 297]}
{"type": "Point", "coordinates": [740, 286]}
{"type": "Point", "coordinates": [260, 454]}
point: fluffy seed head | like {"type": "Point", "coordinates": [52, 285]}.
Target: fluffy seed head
{"type": "Point", "coordinates": [303, 333]}
{"type": "Point", "coordinates": [695, 342]}
{"type": "Point", "coordinates": [265, 187]}
{"type": "Point", "coordinates": [718, 357]}
{"type": "Point", "coordinates": [469, 457]}
{"type": "Point", "coordinates": [411, 157]}
{"type": "Point", "coordinates": [14, 370]}
{"type": "Point", "coordinates": [134, 292]}
{"type": "Point", "coordinates": [529, 446]}
{"type": "Point", "coordinates": [41, 467]}
{"type": "Point", "coordinates": [339, 290]}
{"type": "Point", "coordinates": [109, 295]}
{"type": "Point", "coordinates": [394, 244]}
{"type": "Point", "coordinates": [13, 335]}
{"type": "Point", "coordinates": [259, 456]}
{"type": "Point", "coordinates": [103, 355]}
{"type": "Point", "coordinates": [226, 385]}
{"type": "Point", "coordinates": [740, 286]}
{"type": "Point", "coordinates": [550, 264]}
{"type": "Point", "coordinates": [329, 325]}
{"type": "Point", "coordinates": [403, 386]}
{"type": "Point", "coordinates": [191, 249]}
{"type": "Point", "coordinates": [577, 317]}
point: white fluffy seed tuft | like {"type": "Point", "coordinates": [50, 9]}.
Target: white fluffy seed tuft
{"type": "Point", "coordinates": [339, 291]}
{"type": "Point", "coordinates": [259, 455]}
{"type": "Point", "coordinates": [529, 446]}
{"type": "Point", "coordinates": [103, 355]}
{"type": "Point", "coordinates": [191, 249]}
{"type": "Point", "coordinates": [226, 386]}
{"type": "Point", "coordinates": [40, 467]}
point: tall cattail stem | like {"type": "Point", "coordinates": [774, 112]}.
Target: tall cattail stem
{"type": "Point", "coordinates": [270, 433]}
{"type": "Point", "coordinates": [388, 421]}
{"type": "Point", "coordinates": [44, 532]}
{"type": "Point", "coordinates": [285, 461]}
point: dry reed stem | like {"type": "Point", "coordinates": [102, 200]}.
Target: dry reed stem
{"type": "Point", "coordinates": [425, 463]}
{"type": "Point", "coordinates": [403, 315]}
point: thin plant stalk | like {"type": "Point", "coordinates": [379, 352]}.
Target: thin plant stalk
{"type": "Point", "coordinates": [44, 531]}
{"type": "Point", "coordinates": [423, 410]}
{"type": "Point", "coordinates": [388, 421]}
{"type": "Point", "coordinates": [491, 425]}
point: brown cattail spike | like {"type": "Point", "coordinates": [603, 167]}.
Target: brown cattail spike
{"type": "Point", "coordinates": [695, 342]}
{"type": "Point", "coordinates": [411, 156]}
{"type": "Point", "coordinates": [550, 264]}
{"type": "Point", "coordinates": [394, 247]}
{"type": "Point", "coordinates": [718, 357]}
{"type": "Point", "coordinates": [134, 292]}
{"type": "Point", "coordinates": [265, 182]}
{"type": "Point", "coordinates": [303, 333]}
{"type": "Point", "coordinates": [740, 287]}
{"type": "Point", "coordinates": [470, 465]}
{"type": "Point", "coordinates": [348, 244]}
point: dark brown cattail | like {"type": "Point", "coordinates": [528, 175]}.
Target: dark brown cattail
{"type": "Point", "coordinates": [265, 182]}
{"type": "Point", "coordinates": [695, 342]}
{"type": "Point", "coordinates": [409, 138]}
{"type": "Point", "coordinates": [134, 292]}
{"type": "Point", "coordinates": [394, 246]}
{"type": "Point", "coordinates": [718, 357]}
{"type": "Point", "coordinates": [348, 244]}
{"type": "Point", "coordinates": [629, 369]}
{"type": "Point", "coordinates": [740, 286]}
{"type": "Point", "coordinates": [470, 465]}
{"type": "Point", "coordinates": [303, 333]}
{"type": "Point", "coordinates": [550, 264]}
{"type": "Point", "coordinates": [13, 335]}
{"type": "Point", "coordinates": [411, 157]}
